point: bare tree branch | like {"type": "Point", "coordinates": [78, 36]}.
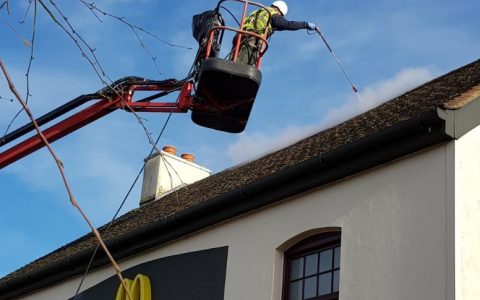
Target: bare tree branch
{"type": "Point", "coordinates": [11, 122]}
{"type": "Point", "coordinates": [88, 53]}
{"type": "Point", "coordinates": [95, 10]}
{"type": "Point", "coordinates": [61, 169]}
{"type": "Point", "coordinates": [32, 48]}
{"type": "Point", "coordinates": [27, 10]}
{"type": "Point", "coordinates": [92, 6]}
{"type": "Point", "coordinates": [24, 40]}
{"type": "Point", "coordinates": [93, 61]}
{"type": "Point", "coordinates": [6, 4]}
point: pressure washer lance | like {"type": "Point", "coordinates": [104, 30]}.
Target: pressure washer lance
{"type": "Point", "coordinates": [338, 62]}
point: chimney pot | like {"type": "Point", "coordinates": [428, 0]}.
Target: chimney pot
{"type": "Point", "coordinates": [188, 157]}
{"type": "Point", "coordinates": [170, 149]}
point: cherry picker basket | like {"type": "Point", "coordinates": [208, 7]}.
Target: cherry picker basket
{"type": "Point", "coordinates": [226, 89]}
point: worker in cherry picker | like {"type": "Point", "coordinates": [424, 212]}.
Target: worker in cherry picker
{"type": "Point", "coordinates": [258, 22]}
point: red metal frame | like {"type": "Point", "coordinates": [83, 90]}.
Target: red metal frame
{"type": "Point", "coordinates": [103, 107]}
{"type": "Point", "coordinates": [240, 32]}
{"type": "Point", "coordinates": [237, 43]}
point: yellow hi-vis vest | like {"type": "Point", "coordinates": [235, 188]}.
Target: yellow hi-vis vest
{"type": "Point", "coordinates": [258, 21]}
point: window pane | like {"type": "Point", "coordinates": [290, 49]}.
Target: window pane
{"type": "Point", "coordinates": [296, 269]}
{"type": "Point", "coordinates": [312, 268]}
{"type": "Point", "coordinates": [325, 284]}
{"type": "Point", "coordinates": [336, 281]}
{"type": "Point", "coordinates": [336, 261]}
{"type": "Point", "coordinates": [296, 290]}
{"type": "Point", "coordinates": [310, 287]}
{"type": "Point", "coordinates": [311, 264]}
{"type": "Point", "coordinates": [326, 258]}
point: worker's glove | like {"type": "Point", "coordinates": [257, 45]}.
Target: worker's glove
{"type": "Point", "coordinates": [311, 26]}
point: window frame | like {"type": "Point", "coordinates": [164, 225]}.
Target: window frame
{"type": "Point", "coordinates": [313, 244]}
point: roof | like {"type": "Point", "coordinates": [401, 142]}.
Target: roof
{"type": "Point", "coordinates": [408, 118]}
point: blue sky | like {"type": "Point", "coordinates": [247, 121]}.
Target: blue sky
{"type": "Point", "coordinates": [386, 46]}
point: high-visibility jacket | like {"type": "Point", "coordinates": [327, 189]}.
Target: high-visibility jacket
{"type": "Point", "coordinates": [259, 20]}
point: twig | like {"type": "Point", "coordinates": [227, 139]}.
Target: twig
{"type": "Point", "coordinates": [140, 121]}
{"type": "Point", "coordinates": [2, 98]}
{"type": "Point", "coordinates": [7, 4]}
{"type": "Point", "coordinates": [32, 48]}
{"type": "Point", "coordinates": [24, 40]}
{"type": "Point", "coordinates": [75, 33]}
{"type": "Point", "coordinates": [134, 27]}
{"type": "Point", "coordinates": [27, 11]}
{"type": "Point", "coordinates": [60, 166]}
{"type": "Point", "coordinates": [11, 122]}
{"type": "Point", "coordinates": [92, 7]}
{"type": "Point", "coordinates": [93, 61]}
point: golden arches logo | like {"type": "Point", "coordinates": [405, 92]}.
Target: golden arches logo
{"type": "Point", "coordinates": [139, 289]}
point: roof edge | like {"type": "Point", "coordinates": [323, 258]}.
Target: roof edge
{"type": "Point", "coordinates": [459, 121]}
{"type": "Point", "coordinates": [423, 131]}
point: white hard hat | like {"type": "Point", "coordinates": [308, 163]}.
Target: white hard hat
{"type": "Point", "coordinates": [282, 6]}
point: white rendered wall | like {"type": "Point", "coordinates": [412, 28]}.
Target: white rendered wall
{"type": "Point", "coordinates": [394, 236]}
{"type": "Point", "coordinates": [467, 216]}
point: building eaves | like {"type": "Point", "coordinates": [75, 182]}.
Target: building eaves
{"type": "Point", "coordinates": [463, 99]}
{"type": "Point", "coordinates": [367, 140]}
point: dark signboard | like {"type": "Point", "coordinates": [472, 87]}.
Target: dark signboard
{"type": "Point", "coordinates": [196, 275]}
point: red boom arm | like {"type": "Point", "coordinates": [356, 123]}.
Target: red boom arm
{"type": "Point", "coordinates": [106, 105]}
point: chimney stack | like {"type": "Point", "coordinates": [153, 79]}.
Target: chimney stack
{"type": "Point", "coordinates": [165, 172]}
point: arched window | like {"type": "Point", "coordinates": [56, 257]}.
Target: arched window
{"type": "Point", "coordinates": [312, 268]}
